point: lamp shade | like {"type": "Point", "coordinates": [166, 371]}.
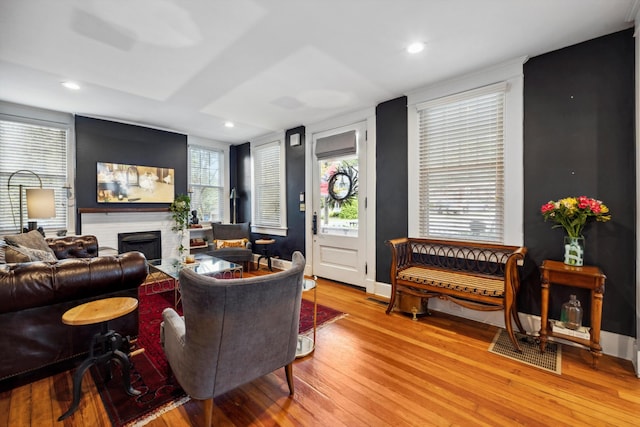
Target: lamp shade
{"type": "Point", "coordinates": [40, 203]}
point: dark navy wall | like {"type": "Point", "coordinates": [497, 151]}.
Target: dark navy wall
{"type": "Point", "coordinates": [295, 240]}
{"type": "Point", "coordinates": [106, 141]}
{"type": "Point", "coordinates": [579, 140]}
{"type": "Point", "coordinates": [242, 175]}
{"type": "Point", "coordinates": [391, 180]}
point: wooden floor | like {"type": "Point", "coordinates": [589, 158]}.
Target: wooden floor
{"type": "Point", "coordinates": [370, 369]}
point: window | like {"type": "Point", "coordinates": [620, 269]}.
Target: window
{"type": "Point", "coordinates": [18, 144]}
{"type": "Point", "coordinates": [269, 205]}
{"type": "Point", "coordinates": [206, 182]}
{"type": "Point", "coordinates": [461, 166]}
{"type": "Point", "coordinates": [504, 222]}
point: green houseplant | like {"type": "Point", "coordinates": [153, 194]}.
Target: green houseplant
{"type": "Point", "coordinates": [180, 210]}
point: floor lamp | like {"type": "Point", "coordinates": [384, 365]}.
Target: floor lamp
{"type": "Point", "coordinates": [234, 197]}
{"type": "Point", "coordinates": [40, 201]}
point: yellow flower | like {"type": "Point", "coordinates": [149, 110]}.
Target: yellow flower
{"type": "Point", "coordinates": [569, 203]}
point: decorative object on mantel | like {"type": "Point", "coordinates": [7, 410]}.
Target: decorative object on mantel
{"type": "Point", "coordinates": [195, 222]}
{"type": "Point", "coordinates": [572, 214]}
{"type": "Point", "coordinates": [180, 209]}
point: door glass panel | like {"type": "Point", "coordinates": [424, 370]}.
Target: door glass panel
{"type": "Point", "coordinates": [338, 196]}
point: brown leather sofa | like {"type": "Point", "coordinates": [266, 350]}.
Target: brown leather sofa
{"type": "Point", "coordinates": [33, 296]}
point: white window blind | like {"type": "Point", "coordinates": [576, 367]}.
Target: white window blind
{"type": "Point", "coordinates": [42, 150]}
{"type": "Point", "coordinates": [206, 183]}
{"type": "Point", "coordinates": [461, 164]}
{"type": "Point", "coordinates": [268, 186]}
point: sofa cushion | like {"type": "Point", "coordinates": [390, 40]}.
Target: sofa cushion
{"type": "Point", "coordinates": [30, 240]}
{"type": "Point", "coordinates": [232, 243]}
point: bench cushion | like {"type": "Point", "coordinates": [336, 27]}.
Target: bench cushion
{"type": "Point", "coordinates": [451, 280]}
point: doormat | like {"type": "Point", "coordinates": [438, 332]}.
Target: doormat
{"type": "Point", "coordinates": [550, 360]}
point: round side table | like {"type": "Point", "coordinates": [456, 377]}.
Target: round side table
{"type": "Point", "coordinates": [306, 344]}
{"type": "Point", "coordinates": [106, 345]}
{"type": "Point", "coordinates": [265, 251]}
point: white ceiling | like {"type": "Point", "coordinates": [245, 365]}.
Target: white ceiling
{"type": "Point", "coordinates": [191, 65]}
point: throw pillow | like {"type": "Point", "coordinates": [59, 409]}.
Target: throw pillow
{"type": "Point", "coordinates": [235, 243]}
{"type": "Point", "coordinates": [38, 255]}
{"type": "Point", "coordinates": [31, 240]}
{"type": "Point", "coordinates": [3, 245]}
{"type": "Point", "coordinates": [14, 255]}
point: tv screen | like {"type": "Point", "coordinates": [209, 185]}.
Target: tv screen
{"type": "Point", "coordinates": [118, 183]}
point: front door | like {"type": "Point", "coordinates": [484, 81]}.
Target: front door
{"type": "Point", "coordinates": [339, 238]}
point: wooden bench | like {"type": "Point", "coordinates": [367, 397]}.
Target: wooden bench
{"type": "Point", "coordinates": [477, 276]}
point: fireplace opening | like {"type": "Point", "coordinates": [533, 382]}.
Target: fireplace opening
{"type": "Point", "coordinates": [147, 242]}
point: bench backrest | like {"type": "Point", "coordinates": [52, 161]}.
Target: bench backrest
{"type": "Point", "coordinates": [478, 258]}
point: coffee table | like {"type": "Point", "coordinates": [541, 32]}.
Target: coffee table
{"type": "Point", "coordinates": [204, 264]}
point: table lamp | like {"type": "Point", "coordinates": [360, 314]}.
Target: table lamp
{"type": "Point", "coordinates": [41, 204]}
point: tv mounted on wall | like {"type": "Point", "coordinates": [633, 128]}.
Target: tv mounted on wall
{"type": "Point", "coordinates": [118, 183]}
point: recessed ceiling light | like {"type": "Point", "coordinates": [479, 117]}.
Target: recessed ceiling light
{"type": "Point", "coordinates": [415, 47]}
{"type": "Point", "coordinates": [228, 124]}
{"type": "Point", "coordinates": [71, 85]}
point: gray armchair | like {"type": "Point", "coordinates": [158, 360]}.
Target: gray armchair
{"type": "Point", "coordinates": [231, 232]}
{"type": "Point", "coordinates": [233, 331]}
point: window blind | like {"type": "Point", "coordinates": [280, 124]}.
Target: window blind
{"type": "Point", "coordinates": [461, 164]}
{"type": "Point", "coordinates": [206, 183]}
{"type": "Point", "coordinates": [42, 150]}
{"type": "Point", "coordinates": [337, 145]}
{"type": "Point", "coordinates": [267, 165]}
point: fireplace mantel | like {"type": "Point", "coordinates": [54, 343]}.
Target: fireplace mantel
{"type": "Point", "coordinates": [107, 223]}
{"type": "Point", "coordinates": [109, 210]}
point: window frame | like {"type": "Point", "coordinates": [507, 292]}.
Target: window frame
{"type": "Point", "coordinates": [451, 153]}
{"type": "Point", "coordinates": [33, 116]}
{"type": "Point", "coordinates": [511, 74]}
{"type": "Point", "coordinates": [256, 226]}
{"type": "Point", "coordinates": [221, 173]}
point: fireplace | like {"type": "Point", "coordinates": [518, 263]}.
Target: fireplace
{"type": "Point", "coordinates": [147, 242]}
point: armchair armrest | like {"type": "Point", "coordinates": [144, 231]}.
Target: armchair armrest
{"type": "Point", "coordinates": [172, 331]}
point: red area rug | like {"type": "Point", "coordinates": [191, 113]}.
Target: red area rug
{"type": "Point", "coordinates": [150, 370]}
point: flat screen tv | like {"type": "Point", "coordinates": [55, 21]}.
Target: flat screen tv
{"type": "Point", "coordinates": [118, 183]}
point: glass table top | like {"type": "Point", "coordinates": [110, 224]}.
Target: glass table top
{"type": "Point", "coordinates": [204, 264]}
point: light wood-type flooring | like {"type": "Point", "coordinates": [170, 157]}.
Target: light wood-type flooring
{"type": "Point", "coordinates": [372, 369]}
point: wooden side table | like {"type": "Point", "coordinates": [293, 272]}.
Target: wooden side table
{"type": "Point", "coordinates": [587, 277]}
{"type": "Point", "coordinates": [105, 345]}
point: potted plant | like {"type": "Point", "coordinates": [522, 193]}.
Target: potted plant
{"type": "Point", "coordinates": [180, 210]}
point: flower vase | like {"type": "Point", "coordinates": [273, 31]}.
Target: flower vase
{"type": "Point", "coordinates": [574, 250]}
